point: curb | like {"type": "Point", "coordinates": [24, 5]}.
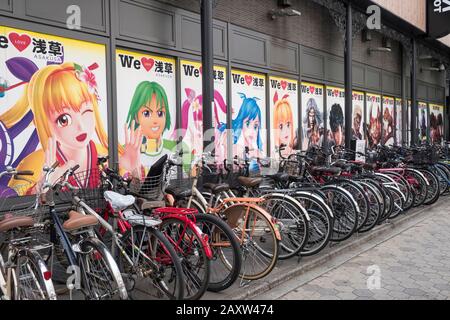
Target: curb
{"type": "Point", "coordinates": [284, 275]}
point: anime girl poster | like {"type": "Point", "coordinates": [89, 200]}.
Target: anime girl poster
{"type": "Point", "coordinates": [388, 121]}
{"type": "Point", "coordinates": [422, 116]}
{"type": "Point", "coordinates": [336, 116]}
{"type": "Point", "coordinates": [52, 106]}
{"type": "Point", "coordinates": [373, 120]}
{"type": "Point", "coordinates": [146, 99]}
{"type": "Point", "coordinates": [248, 113]}
{"type": "Point", "coordinates": [283, 116]}
{"type": "Point", "coordinates": [358, 115]}
{"type": "Point", "coordinates": [436, 123]}
{"type": "Point", "coordinates": [399, 121]}
{"type": "Point", "coordinates": [192, 109]}
{"type": "Point", "coordinates": [312, 115]}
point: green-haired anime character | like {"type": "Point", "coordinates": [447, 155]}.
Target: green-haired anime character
{"type": "Point", "coordinates": [149, 110]}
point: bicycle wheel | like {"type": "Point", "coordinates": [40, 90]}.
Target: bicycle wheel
{"type": "Point", "coordinates": [375, 207]}
{"type": "Point", "coordinates": [31, 278]}
{"type": "Point", "coordinates": [320, 223]}
{"type": "Point", "coordinates": [258, 238]}
{"type": "Point", "coordinates": [445, 173]}
{"type": "Point", "coordinates": [292, 220]}
{"type": "Point", "coordinates": [418, 184]}
{"type": "Point", "coordinates": [398, 198]}
{"type": "Point", "coordinates": [194, 261]}
{"type": "Point", "coordinates": [360, 197]}
{"type": "Point", "coordinates": [227, 257]}
{"type": "Point", "coordinates": [156, 270]}
{"type": "Point", "coordinates": [101, 277]}
{"type": "Point", "coordinates": [389, 207]}
{"type": "Point", "coordinates": [345, 211]}
{"type": "Point", "coordinates": [405, 188]}
{"type": "Point", "coordinates": [433, 189]}
{"type": "Point", "coordinates": [442, 178]}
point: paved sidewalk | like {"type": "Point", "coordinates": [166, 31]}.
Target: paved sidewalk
{"type": "Point", "coordinates": [414, 264]}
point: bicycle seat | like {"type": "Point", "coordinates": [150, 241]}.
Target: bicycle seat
{"type": "Point", "coordinates": [249, 182]}
{"type": "Point", "coordinates": [279, 177]}
{"type": "Point", "coordinates": [144, 204]}
{"type": "Point", "coordinates": [217, 187]}
{"type": "Point", "coordinates": [118, 201]}
{"type": "Point", "coordinates": [10, 222]}
{"type": "Point", "coordinates": [78, 220]}
{"type": "Point", "coordinates": [179, 193]}
{"type": "Point", "coordinates": [326, 170]}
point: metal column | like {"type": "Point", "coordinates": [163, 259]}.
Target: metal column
{"type": "Point", "coordinates": [403, 94]}
{"type": "Point", "coordinates": [348, 76]}
{"type": "Point", "coordinates": [414, 107]}
{"type": "Point", "coordinates": [208, 69]}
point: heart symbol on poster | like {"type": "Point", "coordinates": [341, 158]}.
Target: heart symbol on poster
{"type": "Point", "coordinates": [336, 93]}
{"type": "Point", "coordinates": [248, 79]}
{"type": "Point", "coordinates": [201, 70]}
{"type": "Point", "coordinates": [283, 84]}
{"type": "Point", "coordinates": [21, 42]}
{"type": "Point", "coordinates": [147, 63]}
{"type": "Point", "coordinates": [373, 99]}
{"type": "Point", "coordinates": [311, 89]}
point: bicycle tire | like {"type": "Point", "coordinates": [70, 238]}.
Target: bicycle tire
{"type": "Point", "coordinates": [225, 235]}
{"type": "Point", "coordinates": [292, 220]}
{"type": "Point", "coordinates": [169, 261]}
{"type": "Point", "coordinates": [194, 261]}
{"type": "Point", "coordinates": [345, 215]}
{"type": "Point", "coordinates": [234, 216]}
{"type": "Point", "coordinates": [320, 223]}
{"type": "Point", "coordinates": [36, 269]}
{"type": "Point", "coordinates": [109, 269]}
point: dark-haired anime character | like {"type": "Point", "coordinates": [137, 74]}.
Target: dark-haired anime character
{"type": "Point", "coordinates": [336, 130]}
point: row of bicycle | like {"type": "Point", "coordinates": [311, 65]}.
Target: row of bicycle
{"type": "Point", "coordinates": [168, 236]}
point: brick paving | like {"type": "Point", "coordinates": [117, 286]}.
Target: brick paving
{"type": "Point", "coordinates": [415, 264]}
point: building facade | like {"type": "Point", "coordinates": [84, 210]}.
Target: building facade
{"type": "Point", "coordinates": [277, 80]}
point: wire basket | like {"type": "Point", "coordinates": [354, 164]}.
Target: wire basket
{"type": "Point", "coordinates": [292, 166]}
{"type": "Point", "coordinates": [89, 188]}
{"type": "Point", "coordinates": [19, 201]}
{"type": "Point", "coordinates": [149, 188]}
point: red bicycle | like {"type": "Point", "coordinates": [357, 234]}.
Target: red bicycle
{"type": "Point", "coordinates": [177, 224]}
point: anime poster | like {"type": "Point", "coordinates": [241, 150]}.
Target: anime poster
{"type": "Point", "coordinates": [283, 116]}
{"type": "Point", "coordinates": [373, 120]}
{"type": "Point", "coordinates": [398, 121]}
{"type": "Point", "coordinates": [53, 106]}
{"type": "Point", "coordinates": [248, 113]}
{"type": "Point", "coordinates": [388, 121]}
{"type": "Point", "coordinates": [436, 123]}
{"type": "Point", "coordinates": [312, 115]}
{"type": "Point", "coordinates": [191, 109]}
{"type": "Point", "coordinates": [336, 116]}
{"type": "Point", "coordinates": [358, 115]}
{"type": "Point", "coordinates": [146, 115]}
{"type": "Point", "coordinates": [422, 121]}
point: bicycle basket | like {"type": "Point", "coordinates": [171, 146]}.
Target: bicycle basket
{"type": "Point", "coordinates": [89, 188]}
{"type": "Point", "coordinates": [149, 188]}
{"type": "Point", "coordinates": [19, 201]}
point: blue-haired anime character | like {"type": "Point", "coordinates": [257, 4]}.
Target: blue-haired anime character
{"type": "Point", "coordinates": [247, 126]}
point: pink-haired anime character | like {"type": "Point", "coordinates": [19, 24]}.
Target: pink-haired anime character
{"type": "Point", "coordinates": [192, 124]}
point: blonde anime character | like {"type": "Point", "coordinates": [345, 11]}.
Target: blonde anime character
{"type": "Point", "coordinates": [64, 102]}
{"type": "Point", "coordinates": [283, 125]}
